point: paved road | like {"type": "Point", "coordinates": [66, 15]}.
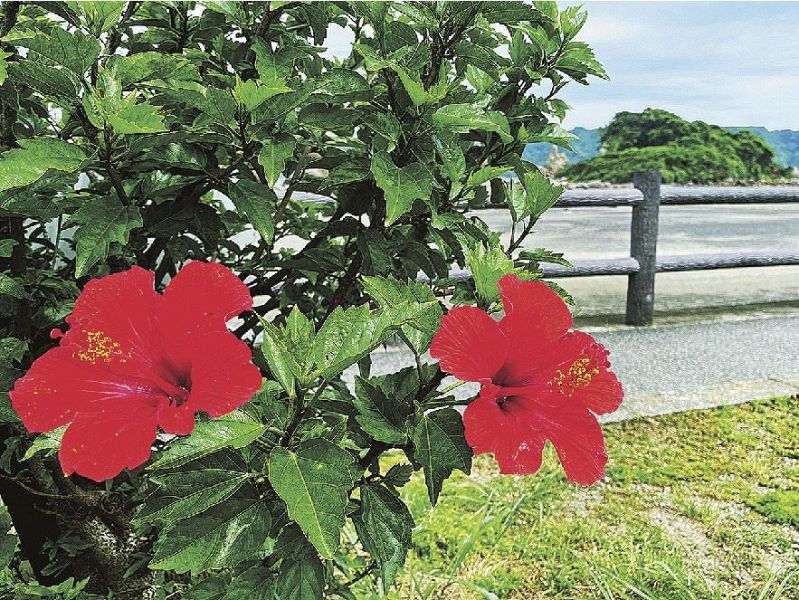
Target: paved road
{"type": "Point", "coordinates": [682, 366]}
{"type": "Point", "coordinates": [582, 233]}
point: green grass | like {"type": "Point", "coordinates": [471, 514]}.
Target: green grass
{"type": "Point", "coordinates": [701, 505]}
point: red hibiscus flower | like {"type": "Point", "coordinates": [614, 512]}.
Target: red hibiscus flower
{"type": "Point", "coordinates": [539, 381]}
{"type": "Point", "coordinates": [134, 360]}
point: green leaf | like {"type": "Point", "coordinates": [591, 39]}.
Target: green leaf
{"type": "Point", "coordinates": [256, 202]}
{"type": "Point", "coordinates": [413, 85]}
{"type": "Point", "coordinates": [301, 575]}
{"type": "Point", "coordinates": [391, 292]}
{"type": "Point", "coordinates": [384, 124]}
{"type": "Point", "coordinates": [12, 287]}
{"type": "Point", "coordinates": [48, 442]}
{"type": "Point", "coordinates": [102, 221]}
{"type": "Point", "coordinates": [23, 166]}
{"type": "Point", "coordinates": [540, 195]}
{"type": "Point", "coordinates": [251, 94]}
{"type": "Point", "coordinates": [280, 360]}
{"type": "Point", "coordinates": [187, 493]}
{"type": "Point", "coordinates": [401, 186]}
{"type": "Point", "coordinates": [73, 50]}
{"type": "Point", "coordinates": [7, 248]}
{"type": "Point", "coordinates": [488, 266]}
{"type": "Point", "coordinates": [236, 430]}
{"type": "Point", "coordinates": [3, 69]}
{"type": "Point", "coordinates": [462, 118]}
{"type": "Point", "coordinates": [380, 415]}
{"type": "Point", "coordinates": [129, 117]}
{"type": "Point", "coordinates": [147, 66]}
{"type": "Point", "coordinates": [273, 156]}
{"type": "Point", "coordinates": [348, 335]}
{"type": "Point", "coordinates": [439, 446]}
{"type": "Point", "coordinates": [484, 174]}
{"type": "Point", "coordinates": [255, 582]}
{"type": "Point", "coordinates": [315, 482]}
{"type": "Point", "coordinates": [384, 526]}
{"type": "Point", "coordinates": [47, 80]}
{"type": "Point", "coordinates": [222, 536]}
{"type": "Point", "coordinates": [454, 162]}
{"type": "Point", "coordinates": [218, 107]}
{"type": "Point", "coordinates": [101, 15]}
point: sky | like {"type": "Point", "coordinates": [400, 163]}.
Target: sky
{"type": "Point", "coordinates": [727, 63]}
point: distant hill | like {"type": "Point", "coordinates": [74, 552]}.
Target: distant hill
{"type": "Point", "coordinates": [683, 151]}
{"type": "Point", "coordinates": [785, 143]}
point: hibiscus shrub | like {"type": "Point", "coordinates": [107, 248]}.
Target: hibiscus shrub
{"type": "Point", "coordinates": [164, 164]}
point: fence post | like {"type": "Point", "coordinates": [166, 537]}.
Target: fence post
{"type": "Point", "coordinates": [643, 247]}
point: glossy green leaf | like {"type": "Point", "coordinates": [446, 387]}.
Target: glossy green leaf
{"type": "Point", "coordinates": [439, 446]}
{"type": "Point", "coordinates": [315, 480]}
{"type": "Point", "coordinates": [487, 267]}
{"type": "Point", "coordinates": [102, 221]}
{"type": "Point", "coordinates": [24, 165]}
{"type": "Point", "coordinates": [236, 430]}
{"type": "Point", "coordinates": [384, 525]}
{"type": "Point", "coordinates": [222, 536]}
{"type": "Point", "coordinates": [379, 414]}
{"type": "Point", "coordinates": [256, 202]}
{"type": "Point", "coordinates": [273, 156]}
{"type": "Point", "coordinates": [401, 186]}
{"type": "Point", "coordinates": [461, 118]}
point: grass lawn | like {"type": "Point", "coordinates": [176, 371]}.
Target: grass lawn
{"type": "Point", "coordinates": [696, 505]}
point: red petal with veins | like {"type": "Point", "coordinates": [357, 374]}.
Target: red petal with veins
{"type": "Point", "coordinates": [469, 344]}
{"type": "Point", "coordinates": [222, 376]}
{"type": "Point", "coordinates": [98, 444]}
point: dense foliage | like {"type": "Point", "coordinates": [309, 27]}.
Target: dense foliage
{"type": "Point", "coordinates": [152, 133]}
{"type": "Point", "coordinates": [683, 151]}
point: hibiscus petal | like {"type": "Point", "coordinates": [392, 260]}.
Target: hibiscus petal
{"type": "Point", "coordinates": [578, 440]}
{"type": "Point", "coordinates": [223, 377]}
{"type": "Point", "coordinates": [469, 344]}
{"type": "Point", "coordinates": [177, 420]}
{"type": "Point", "coordinates": [57, 386]}
{"type": "Point", "coordinates": [534, 313]}
{"type": "Point", "coordinates": [582, 364]}
{"type": "Point", "coordinates": [505, 432]}
{"type": "Point", "coordinates": [206, 293]}
{"type": "Point", "coordinates": [101, 443]}
{"type": "Point", "coordinates": [112, 322]}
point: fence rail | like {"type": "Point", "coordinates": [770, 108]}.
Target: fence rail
{"type": "Point", "coordinates": [646, 198]}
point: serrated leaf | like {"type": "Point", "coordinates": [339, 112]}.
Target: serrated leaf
{"type": "Point", "coordinates": [439, 446]}
{"type": "Point", "coordinates": [315, 481]}
{"type": "Point", "coordinates": [102, 221]}
{"type": "Point", "coordinates": [384, 124]}
{"type": "Point", "coordinates": [47, 80]}
{"type": "Point", "coordinates": [235, 430]}
{"type": "Point", "coordinates": [301, 575]}
{"type": "Point", "coordinates": [222, 536]}
{"type": "Point", "coordinates": [7, 248]}
{"type": "Point", "coordinates": [348, 335]}
{"type": "Point", "coordinates": [255, 582]}
{"type": "Point", "coordinates": [453, 161]}
{"type": "Point", "coordinates": [130, 117]}
{"type": "Point", "coordinates": [101, 15]}
{"type": "Point", "coordinates": [10, 286]}
{"type": "Point", "coordinates": [487, 267]}
{"type": "Point", "coordinates": [384, 525]}
{"type": "Point", "coordinates": [461, 118]}
{"type": "Point", "coordinates": [273, 156]}
{"type": "Point", "coordinates": [23, 166]}
{"type": "Point", "coordinates": [253, 93]}
{"type": "Point", "coordinates": [401, 186]}
{"type": "Point", "coordinates": [485, 174]}
{"type": "Point", "coordinates": [380, 415]}
{"type": "Point", "coordinates": [280, 360]}
{"type": "Point", "coordinates": [186, 494]}
{"type": "Point", "coordinates": [541, 194]}
{"type": "Point", "coordinates": [256, 202]}
{"type": "Point", "coordinates": [73, 50]}
{"type": "Point", "coordinates": [3, 69]}
{"type": "Point", "coordinates": [390, 292]}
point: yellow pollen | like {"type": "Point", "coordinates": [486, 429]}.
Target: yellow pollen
{"type": "Point", "coordinates": [99, 346]}
{"type": "Point", "coordinates": [578, 375]}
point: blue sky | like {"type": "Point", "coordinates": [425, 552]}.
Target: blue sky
{"type": "Point", "coordinates": [729, 63]}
